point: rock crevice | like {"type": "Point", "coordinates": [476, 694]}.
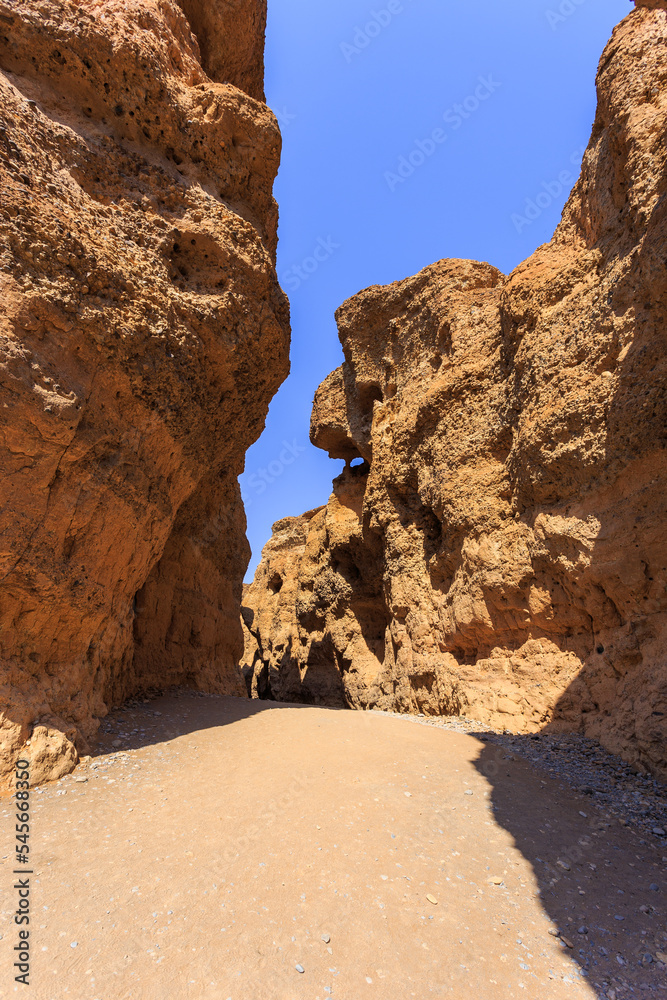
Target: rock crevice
{"type": "Point", "coordinates": [501, 553]}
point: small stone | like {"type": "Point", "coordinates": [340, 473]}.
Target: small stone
{"type": "Point", "coordinates": [618, 917]}
{"type": "Point", "coordinates": [299, 968]}
{"type": "Point", "coordinates": [81, 779]}
{"type": "Point", "coordinates": [497, 880]}
{"type": "Point", "coordinates": [582, 930]}
{"type": "Point", "coordinates": [326, 938]}
{"type": "Point", "coordinates": [654, 887]}
{"type": "Point", "coordinates": [566, 942]}
{"type": "Point", "coordinates": [658, 831]}
{"type": "Point", "coordinates": [468, 791]}
{"type": "Point", "coordinates": [564, 865]}
{"type": "Point", "coordinates": [74, 944]}
{"type": "Point", "coordinates": [432, 899]}
{"type": "Point", "coordinates": [408, 795]}
{"type": "Point", "coordinates": [117, 743]}
{"type": "Point", "coordinates": [554, 932]}
{"type": "Point", "coordinates": [585, 815]}
{"type": "Point", "coordinates": [661, 956]}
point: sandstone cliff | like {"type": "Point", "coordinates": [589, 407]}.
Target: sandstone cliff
{"type": "Point", "coordinates": [142, 335]}
{"type": "Point", "coordinates": [501, 551]}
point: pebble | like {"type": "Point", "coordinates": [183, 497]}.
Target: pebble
{"type": "Point", "coordinates": [582, 930]}
{"type": "Point", "coordinates": [299, 968]}
{"type": "Point", "coordinates": [432, 899]}
{"type": "Point", "coordinates": [654, 887]}
{"type": "Point", "coordinates": [468, 792]}
{"type": "Point", "coordinates": [326, 938]}
{"type": "Point", "coordinates": [658, 831]}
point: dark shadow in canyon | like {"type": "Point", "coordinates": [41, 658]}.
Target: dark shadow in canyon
{"type": "Point", "coordinates": [594, 876]}
{"type": "Point", "coordinates": [176, 713]}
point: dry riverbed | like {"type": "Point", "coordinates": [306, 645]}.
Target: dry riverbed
{"type": "Point", "coordinates": [220, 848]}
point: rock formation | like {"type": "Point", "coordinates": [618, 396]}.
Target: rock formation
{"type": "Point", "coordinates": [501, 549]}
{"type": "Point", "coordinates": [142, 334]}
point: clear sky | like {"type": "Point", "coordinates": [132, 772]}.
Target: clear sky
{"type": "Point", "coordinates": [413, 130]}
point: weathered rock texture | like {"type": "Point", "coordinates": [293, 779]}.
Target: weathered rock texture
{"type": "Point", "coordinates": [231, 40]}
{"type": "Point", "coordinates": [502, 550]}
{"type": "Point", "coordinates": [142, 335]}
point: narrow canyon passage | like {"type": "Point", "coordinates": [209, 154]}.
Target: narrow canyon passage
{"type": "Point", "coordinates": [216, 847]}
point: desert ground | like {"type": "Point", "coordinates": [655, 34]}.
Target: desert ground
{"type": "Point", "coordinates": [216, 847]}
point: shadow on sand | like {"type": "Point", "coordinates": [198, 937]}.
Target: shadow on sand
{"type": "Point", "coordinates": [181, 711]}
{"type": "Point", "coordinates": [602, 885]}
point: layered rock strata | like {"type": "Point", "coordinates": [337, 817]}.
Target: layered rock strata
{"type": "Point", "coordinates": [142, 334]}
{"type": "Point", "coordinates": [501, 549]}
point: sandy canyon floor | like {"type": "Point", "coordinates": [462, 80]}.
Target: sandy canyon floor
{"type": "Point", "coordinates": [220, 848]}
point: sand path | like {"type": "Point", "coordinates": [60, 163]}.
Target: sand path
{"type": "Point", "coordinates": [226, 842]}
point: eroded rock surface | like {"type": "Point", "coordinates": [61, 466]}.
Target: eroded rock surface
{"type": "Point", "coordinates": [142, 335]}
{"type": "Point", "coordinates": [501, 552]}
{"type": "Point", "coordinates": [230, 34]}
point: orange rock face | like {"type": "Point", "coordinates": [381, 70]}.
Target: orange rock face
{"type": "Point", "coordinates": [501, 551]}
{"type": "Point", "coordinates": [142, 335]}
{"type": "Point", "coordinates": [230, 34]}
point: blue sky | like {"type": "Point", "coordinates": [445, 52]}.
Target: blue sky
{"type": "Point", "coordinates": [413, 130]}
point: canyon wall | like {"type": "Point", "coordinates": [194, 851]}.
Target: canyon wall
{"type": "Point", "coordinates": [499, 547]}
{"type": "Point", "coordinates": [142, 334]}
